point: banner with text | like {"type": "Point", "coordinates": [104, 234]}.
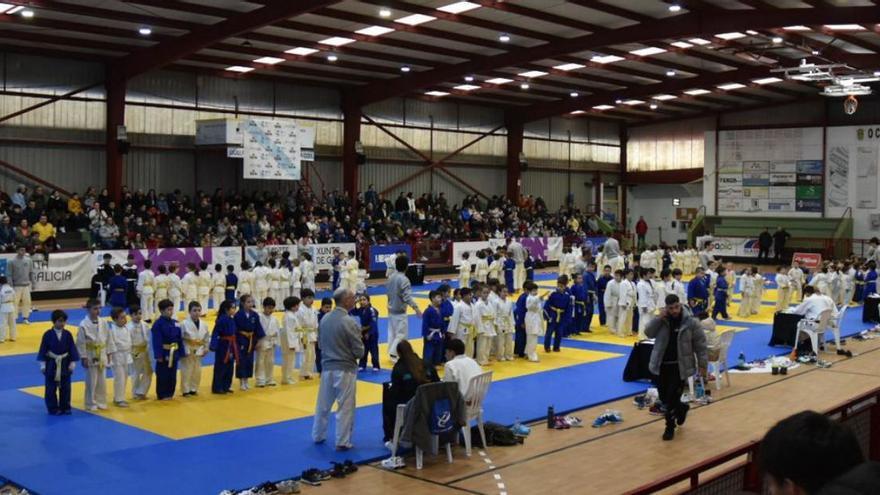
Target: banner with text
{"type": "Point", "coordinates": [165, 256]}
{"type": "Point", "coordinates": [381, 252]}
{"type": "Point", "coordinates": [63, 271]}
{"type": "Point", "coordinates": [322, 254]}
{"type": "Point", "coordinates": [542, 248]}
{"type": "Point", "coordinates": [744, 247]}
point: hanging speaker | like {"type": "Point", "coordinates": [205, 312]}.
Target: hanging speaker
{"type": "Point", "coordinates": [360, 155]}
{"type": "Point", "coordinates": [523, 163]}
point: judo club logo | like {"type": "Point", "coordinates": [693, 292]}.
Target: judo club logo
{"type": "Point", "coordinates": [750, 247]}
{"type": "Point", "coordinates": [441, 417]}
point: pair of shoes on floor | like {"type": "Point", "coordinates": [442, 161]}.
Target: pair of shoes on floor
{"type": "Point", "coordinates": [520, 430]}
{"type": "Point", "coordinates": [394, 462]}
{"type": "Point", "coordinates": [844, 352]}
{"type": "Point", "coordinates": [314, 477]}
{"type": "Point", "coordinates": [642, 401]}
{"type": "Point", "coordinates": [288, 486]}
{"type": "Point", "coordinates": [657, 409]}
{"type": "Point", "coordinates": [608, 417]}
{"type": "Point", "coordinates": [343, 469]}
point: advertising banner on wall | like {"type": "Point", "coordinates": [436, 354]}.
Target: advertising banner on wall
{"type": "Point", "coordinates": [271, 150]}
{"type": "Point", "coordinates": [381, 252]}
{"type": "Point", "coordinates": [323, 253]}
{"type": "Point", "coordinates": [735, 246]}
{"type": "Point", "coordinates": [63, 271]}
{"type": "Point", "coordinates": [250, 252]}
{"type": "Point", "coordinates": [165, 256]}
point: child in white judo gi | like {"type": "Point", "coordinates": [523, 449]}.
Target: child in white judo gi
{"type": "Point", "coordinates": [91, 343]}
{"type": "Point", "coordinates": [290, 340]}
{"type": "Point", "coordinates": [196, 337]}
{"type": "Point", "coordinates": [119, 349]}
{"type": "Point", "coordinates": [142, 363]}
{"type": "Point", "coordinates": [266, 346]}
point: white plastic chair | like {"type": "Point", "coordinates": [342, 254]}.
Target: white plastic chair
{"type": "Point", "coordinates": [478, 387]}
{"type": "Point", "coordinates": [813, 329]}
{"type": "Point", "coordinates": [399, 417]}
{"type": "Point", "coordinates": [836, 325]}
{"type": "Point", "coordinates": [724, 348]}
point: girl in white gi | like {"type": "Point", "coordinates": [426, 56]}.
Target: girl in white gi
{"type": "Point", "coordinates": [494, 302]}
{"type": "Point", "coordinates": [218, 287]}
{"type": "Point", "coordinates": [286, 275]}
{"type": "Point", "coordinates": [504, 325]}
{"type": "Point", "coordinates": [481, 268]}
{"type": "Point", "coordinates": [119, 349]}
{"type": "Point", "coordinates": [190, 285]}
{"type": "Point", "coordinates": [308, 272]}
{"type": "Point", "coordinates": [849, 283]}
{"type": "Point", "coordinates": [834, 283]}
{"type": "Point", "coordinates": [464, 271]}
{"type": "Point", "coordinates": [676, 286]}
{"type": "Point", "coordinates": [646, 302]}
{"type": "Point", "coordinates": [760, 282]}
{"type": "Point", "coordinates": [245, 280]}
{"type": "Point", "coordinates": [611, 298]}
{"type": "Point", "coordinates": [747, 293]}
{"type": "Point", "coordinates": [351, 268]}
{"type": "Point", "coordinates": [266, 346]}
{"type": "Point", "coordinates": [307, 323]}
{"type": "Point", "coordinates": [290, 340]}
{"type": "Point", "coordinates": [534, 320]}
{"type": "Point", "coordinates": [296, 279]}
{"type": "Point", "coordinates": [783, 290]}
{"type": "Point", "coordinates": [821, 281]}
{"type": "Point", "coordinates": [204, 284]}
{"type": "Point", "coordinates": [484, 315]}
{"type": "Point", "coordinates": [142, 364]}
{"type": "Point", "coordinates": [174, 288]}
{"type": "Point", "coordinates": [146, 287]}
{"type": "Point", "coordinates": [496, 267]}
{"type": "Point", "coordinates": [261, 282]}
{"type": "Point", "coordinates": [91, 343]}
{"type": "Point", "coordinates": [7, 311]}
{"type": "Point", "coordinates": [196, 337]}
{"type": "Point", "coordinates": [163, 288]}
{"type": "Point", "coordinates": [274, 278]}
{"type": "Point", "coordinates": [796, 279]}
{"type": "Point", "coordinates": [661, 288]}
{"type": "Point", "coordinates": [626, 301]}
{"type": "Point", "coordinates": [461, 323]}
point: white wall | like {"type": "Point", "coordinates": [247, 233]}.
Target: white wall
{"type": "Point", "coordinates": [654, 202]}
{"type": "Point", "coordinates": [857, 155]}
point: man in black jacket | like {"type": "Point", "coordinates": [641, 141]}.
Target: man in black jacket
{"type": "Point", "coordinates": [765, 240]}
{"type": "Point", "coordinates": [779, 239]}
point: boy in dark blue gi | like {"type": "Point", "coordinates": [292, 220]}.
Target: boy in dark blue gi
{"type": "Point", "coordinates": [368, 318]}
{"type": "Point", "coordinates": [225, 347]}
{"type": "Point", "coordinates": [58, 357]}
{"type": "Point", "coordinates": [556, 311]}
{"type": "Point", "coordinates": [248, 331]}
{"type": "Point", "coordinates": [581, 297]}
{"type": "Point", "coordinates": [720, 298]}
{"type": "Point", "coordinates": [529, 265]}
{"type": "Point", "coordinates": [326, 307]}
{"type": "Point", "coordinates": [334, 269]}
{"type": "Point", "coordinates": [590, 283]}
{"type": "Point", "coordinates": [601, 284]}
{"type": "Point", "coordinates": [509, 266]}
{"type": "Point", "coordinates": [698, 292]}
{"type": "Point", "coordinates": [168, 349]}
{"type": "Point", "coordinates": [432, 330]}
{"type": "Point", "coordinates": [446, 310]}
{"type": "Point", "coordinates": [118, 289]}
{"type": "Point", "coordinates": [519, 321]}
{"type": "Point", "coordinates": [231, 283]}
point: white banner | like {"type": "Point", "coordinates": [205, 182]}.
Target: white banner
{"type": "Point", "coordinates": [735, 246]}
{"type": "Point", "coordinates": [322, 254]}
{"type": "Point", "coordinates": [63, 271]}
{"type": "Point", "coordinates": [272, 149]}
{"type": "Point", "coordinates": [250, 252]}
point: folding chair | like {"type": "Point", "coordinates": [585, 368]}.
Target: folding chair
{"type": "Point", "coordinates": [478, 387]}
{"type": "Point", "coordinates": [813, 329]}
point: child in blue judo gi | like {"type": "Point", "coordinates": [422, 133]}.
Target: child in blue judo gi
{"type": "Point", "coordinates": [58, 357]}
{"type": "Point", "coordinates": [225, 348]}
{"type": "Point", "coordinates": [167, 349]}
{"type": "Point", "coordinates": [231, 283]}
{"type": "Point", "coordinates": [581, 298]}
{"type": "Point", "coordinates": [334, 269]}
{"type": "Point", "coordinates": [601, 284]}
{"type": "Point", "coordinates": [248, 332]}
{"type": "Point", "coordinates": [432, 330]}
{"type": "Point", "coordinates": [529, 265]}
{"type": "Point", "coordinates": [519, 321]}
{"type": "Point", "coordinates": [118, 289]}
{"type": "Point", "coordinates": [446, 309]}
{"type": "Point", "coordinates": [871, 279]}
{"type": "Point", "coordinates": [556, 311]}
{"type": "Point", "coordinates": [368, 318]}
{"type": "Point", "coordinates": [326, 307]}
{"type": "Point", "coordinates": [720, 298]}
{"type": "Point", "coordinates": [698, 292]}
{"type": "Point", "coordinates": [509, 266]}
{"type": "Point", "coordinates": [591, 284]}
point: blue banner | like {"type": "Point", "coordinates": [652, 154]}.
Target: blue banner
{"type": "Point", "coordinates": [594, 242]}
{"type": "Point", "coordinates": [380, 253]}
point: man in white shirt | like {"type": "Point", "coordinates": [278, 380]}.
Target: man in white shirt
{"type": "Point", "coordinates": [459, 367]}
{"type": "Point", "coordinates": [814, 305]}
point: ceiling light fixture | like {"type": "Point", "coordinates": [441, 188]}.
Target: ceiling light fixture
{"type": "Point", "coordinates": [458, 7]}
{"type": "Point", "coordinates": [436, 93]}
{"type": "Point", "coordinates": [499, 80]}
{"type": "Point", "coordinates": [651, 50]}
{"type": "Point", "coordinates": [730, 36]}
{"type": "Point", "coordinates": [777, 40]}
{"type": "Point", "coordinates": [633, 102]}
{"type": "Point", "coordinates": [767, 80]}
{"type": "Point", "coordinates": [675, 8]}
{"type": "Point", "coordinates": [731, 86]}
{"type": "Point", "coordinates": [681, 44]}
{"type": "Point", "coordinates": [301, 51]}
{"type": "Point", "coordinates": [532, 73]}
{"type": "Point", "coordinates": [239, 68]}
{"type": "Point", "coordinates": [697, 92]}
{"type": "Point", "coordinates": [27, 13]}
{"type": "Point", "coordinates": [570, 66]}
{"type": "Point", "coordinates": [699, 41]}
{"type": "Point", "coordinates": [374, 31]}
{"type": "Point", "coordinates": [405, 68]}
{"type": "Point", "coordinates": [504, 37]}
{"type": "Point", "coordinates": [269, 60]}
{"type": "Point", "coordinates": [469, 78]}
{"type": "Point", "coordinates": [332, 57]}
{"type": "Point", "coordinates": [664, 97]}
{"type": "Point", "coordinates": [653, 106]}
{"type": "Point", "coordinates": [336, 41]}
{"type": "Point", "coordinates": [603, 107]}
{"type": "Point", "coordinates": [145, 31]}
{"type": "Point", "coordinates": [466, 87]}
{"type": "Point", "coordinates": [670, 73]}
{"type": "Point", "coordinates": [415, 19]}
{"type": "Point", "coordinates": [574, 94]}
{"type": "Point", "coordinates": [524, 86]}
{"type": "Point", "coordinates": [384, 12]}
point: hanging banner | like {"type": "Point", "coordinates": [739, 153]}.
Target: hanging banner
{"type": "Point", "coordinates": [63, 271]}
{"type": "Point", "coordinates": [271, 150]}
{"type": "Point", "coordinates": [165, 256]}
{"type": "Point", "coordinates": [322, 254]}
{"type": "Point", "coordinates": [380, 253]}
{"type": "Point", "coordinates": [542, 248]}
{"type": "Point", "coordinates": [251, 253]}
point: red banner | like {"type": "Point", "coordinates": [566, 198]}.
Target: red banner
{"type": "Point", "coordinates": [808, 260]}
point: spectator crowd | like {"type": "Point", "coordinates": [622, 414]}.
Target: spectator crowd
{"type": "Point", "coordinates": [144, 220]}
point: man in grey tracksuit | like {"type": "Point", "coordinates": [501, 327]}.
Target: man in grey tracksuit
{"type": "Point", "coordinates": [399, 298]}
{"type": "Point", "coordinates": [679, 351]}
{"type": "Point", "coordinates": [21, 275]}
{"type": "Point", "coordinates": [339, 338]}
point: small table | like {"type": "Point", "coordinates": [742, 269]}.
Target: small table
{"type": "Point", "coordinates": [784, 328]}
{"type": "Point", "coordinates": [870, 312]}
{"type": "Point", "coordinates": [637, 366]}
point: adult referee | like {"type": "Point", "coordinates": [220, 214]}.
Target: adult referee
{"type": "Point", "coordinates": [679, 348]}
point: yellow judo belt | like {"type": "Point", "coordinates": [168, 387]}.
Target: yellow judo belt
{"type": "Point", "coordinates": [59, 360]}
{"type": "Point", "coordinates": [250, 337]}
{"type": "Point", "coordinates": [137, 350]}
{"type": "Point", "coordinates": [471, 330]}
{"type": "Point", "coordinates": [230, 287]}
{"type": "Point", "coordinates": [97, 350]}
{"type": "Point", "coordinates": [559, 312]}
{"type": "Point", "coordinates": [172, 349]}
{"type": "Point", "coordinates": [194, 344]}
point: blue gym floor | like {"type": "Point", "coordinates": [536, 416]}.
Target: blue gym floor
{"type": "Point", "coordinates": [88, 453]}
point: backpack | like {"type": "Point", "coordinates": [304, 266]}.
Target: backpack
{"type": "Point", "coordinates": [496, 435]}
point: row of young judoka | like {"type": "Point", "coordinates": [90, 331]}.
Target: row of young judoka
{"type": "Point", "coordinates": [500, 266]}
{"type": "Point", "coordinates": [277, 278]}
{"type": "Point", "coordinates": [243, 340]}
{"type": "Point", "coordinates": [844, 282]}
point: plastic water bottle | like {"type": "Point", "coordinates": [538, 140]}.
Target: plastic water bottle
{"type": "Point", "coordinates": [741, 360]}
{"type": "Point", "coordinates": [698, 389]}
{"type": "Point", "coordinates": [551, 417]}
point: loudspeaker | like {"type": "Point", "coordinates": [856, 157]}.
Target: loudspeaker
{"type": "Point", "coordinates": [122, 140]}
{"type": "Point", "coordinates": [523, 163]}
{"type": "Point", "coordinates": [360, 156]}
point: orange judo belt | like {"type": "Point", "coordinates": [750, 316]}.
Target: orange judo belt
{"type": "Point", "coordinates": [231, 348]}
